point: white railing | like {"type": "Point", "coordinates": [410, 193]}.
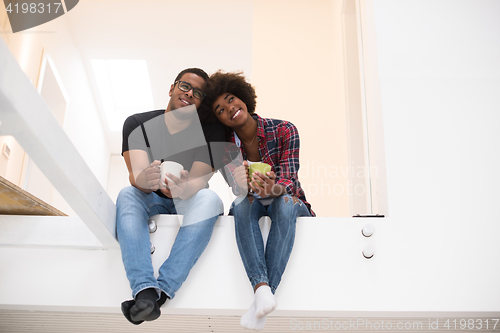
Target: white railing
{"type": "Point", "coordinates": [24, 115]}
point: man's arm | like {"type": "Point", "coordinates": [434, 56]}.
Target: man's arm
{"type": "Point", "coordinates": [142, 175]}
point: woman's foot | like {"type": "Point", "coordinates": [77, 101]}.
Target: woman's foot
{"type": "Point", "coordinates": [265, 302]}
{"type": "Point", "coordinates": [249, 321]}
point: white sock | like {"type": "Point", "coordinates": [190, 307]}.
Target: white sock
{"type": "Point", "coordinates": [249, 321]}
{"type": "Point", "coordinates": [265, 303]}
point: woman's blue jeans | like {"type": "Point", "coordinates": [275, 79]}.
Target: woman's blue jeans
{"type": "Point", "coordinates": [266, 266]}
{"type": "Point", "coordinates": [135, 207]}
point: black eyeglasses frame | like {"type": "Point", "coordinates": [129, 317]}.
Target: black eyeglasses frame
{"type": "Point", "coordinates": [191, 88]}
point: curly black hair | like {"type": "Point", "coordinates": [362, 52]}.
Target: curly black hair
{"type": "Point", "coordinates": [233, 83]}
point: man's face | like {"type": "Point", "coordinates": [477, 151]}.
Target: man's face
{"type": "Point", "coordinates": [179, 98]}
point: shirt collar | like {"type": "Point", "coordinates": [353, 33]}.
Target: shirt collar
{"type": "Point", "coordinates": [260, 129]}
{"type": "Point", "coordinates": [260, 125]}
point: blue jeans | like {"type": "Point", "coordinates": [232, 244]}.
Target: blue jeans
{"type": "Point", "coordinates": [135, 207]}
{"type": "Point", "coordinates": [266, 266]}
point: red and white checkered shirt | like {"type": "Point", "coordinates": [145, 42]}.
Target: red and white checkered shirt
{"type": "Point", "coordinates": [279, 147]}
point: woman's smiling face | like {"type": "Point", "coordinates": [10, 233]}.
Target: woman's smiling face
{"type": "Point", "coordinates": [230, 110]}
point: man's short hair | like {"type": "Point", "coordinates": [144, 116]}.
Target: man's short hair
{"type": "Point", "coordinates": [198, 71]}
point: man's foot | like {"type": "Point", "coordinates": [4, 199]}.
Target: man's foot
{"type": "Point", "coordinates": [163, 299]}
{"type": "Point", "coordinates": [249, 321]}
{"type": "Point", "coordinates": [127, 305]}
{"type": "Point", "coordinates": [126, 311]}
{"type": "Point", "coordinates": [144, 310]}
{"type": "Point", "coordinates": [265, 303]}
{"type": "Point", "coordinates": [146, 307]}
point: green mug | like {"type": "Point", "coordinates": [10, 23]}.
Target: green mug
{"type": "Point", "coordinates": [263, 168]}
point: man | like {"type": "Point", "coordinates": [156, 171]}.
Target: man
{"type": "Point", "coordinates": [174, 134]}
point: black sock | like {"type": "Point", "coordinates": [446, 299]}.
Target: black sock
{"type": "Point", "coordinates": [126, 311]}
{"type": "Point", "coordinates": [127, 305]}
{"type": "Point", "coordinates": [163, 299]}
{"type": "Point", "coordinates": [146, 307]}
{"type": "Point", "coordinates": [149, 293]}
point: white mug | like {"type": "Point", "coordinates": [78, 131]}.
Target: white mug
{"type": "Point", "coordinates": [171, 167]}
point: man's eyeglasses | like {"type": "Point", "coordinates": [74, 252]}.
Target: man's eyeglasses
{"type": "Point", "coordinates": [197, 93]}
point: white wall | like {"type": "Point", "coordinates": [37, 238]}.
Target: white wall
{"type": "Point", "coordinates": [440, 78]}
{"type": "Point", "coordinates": [298, 74]}
{"type": "Point", "coordinates": [11, 166]}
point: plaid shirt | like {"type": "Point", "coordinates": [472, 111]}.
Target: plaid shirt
{"type": "Point", "coordinates": [279, 147]}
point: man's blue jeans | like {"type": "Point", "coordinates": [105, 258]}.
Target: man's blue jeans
{"type": "Point", "coordinates": [134, 208]}
{"type": "Point", "coordinates": [266, 266]}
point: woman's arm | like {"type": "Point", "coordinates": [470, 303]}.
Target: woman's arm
{"type": "Point", "coordinates": [285, 180]}
{"type": "Point", "coordinates": [289, 158]}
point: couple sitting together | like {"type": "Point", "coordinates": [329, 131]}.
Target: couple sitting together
{"type": "Point", "coordinates": [205, 113]}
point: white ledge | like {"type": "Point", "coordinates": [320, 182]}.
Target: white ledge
{"type": "Point", "coordinates": [46, 231]}
{"type": "Point", "coordinates": [327, 275]}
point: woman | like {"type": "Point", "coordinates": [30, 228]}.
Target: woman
{"type": "Point", "coordinates": [276, 194]}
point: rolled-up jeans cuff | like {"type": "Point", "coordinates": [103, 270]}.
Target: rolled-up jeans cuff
{"type": "Point", "coordinates": [170, 294]}
{"type": "Point", "coordinates": [273, 289]}
{"type": "Point", "coordinates": [255, 280]}
{"type": "Point", "coordinates": [147, 286]}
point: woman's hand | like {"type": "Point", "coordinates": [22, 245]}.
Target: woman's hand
{"type": "Point", "coordinates": [264, 185]}
{"type": "Point", "coordinates": [242, 178]}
